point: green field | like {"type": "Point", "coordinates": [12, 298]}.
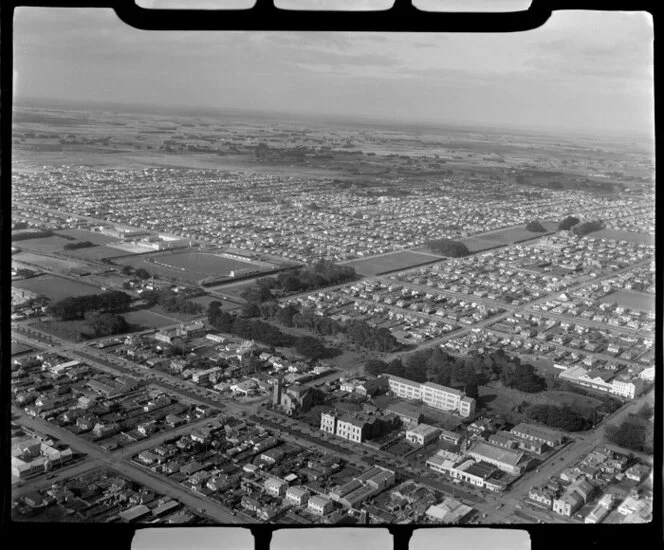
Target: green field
{"type": "Point", "coordinates": [96, 252]}
{"type": "Point", "coordinates": [45, 262]}
{"type": "Point", "coordinates": [478, 244]}
{"type": "Point", "coordinates": [204, 264]}
{"type": "Point", "coordinates": [56, 288]}
{"type": "Point", "coordinates": [189, 267]}
{"type": "Point", "coordinates": [619, 235]}
{"type": "Point", "coordinates": [516, 234]}
{"type": "Point", "coordinates": [149, 319]}
{"type": "Point", "coordinates": [83, 235]}
{"type": "Point", "coordinates": [18, 348]}
{"type": "Point", "coordinates": [640, 301]}
{"type": "Point", "coordinates": [391, 262]}
{"type": "Point", "coordinates": [44, 244]}
{"type": "Point", "coordinates": [560, 398]}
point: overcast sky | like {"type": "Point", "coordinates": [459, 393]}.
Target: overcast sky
{"type": "Point", "coordinates": [581, 71]}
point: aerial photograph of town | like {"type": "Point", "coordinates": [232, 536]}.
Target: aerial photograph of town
{"type": "Point", "coordinates": [332, 278]}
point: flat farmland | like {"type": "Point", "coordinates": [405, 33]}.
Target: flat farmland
{"type": "Point", "coordinates": [391, 262]}
{"type": "Point", "coordinates": [56, 288]}
{"type": "Point", "coordinates": [640, 301]}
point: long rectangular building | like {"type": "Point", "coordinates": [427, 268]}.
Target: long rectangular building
{"type": "Point", "coordinates": [434, 395]}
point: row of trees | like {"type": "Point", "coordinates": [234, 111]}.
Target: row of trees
{"type": "Point", "coordinates": [80, 244]}
{"type": "Point", "coordinates": [522, 377]}
{"type": "Point", "coordinates": [251, 329]}
{"type": "Point", "coordinates": [582, 229]}
{"type": "Point", "coordinates": [535, 227]}
{"type": "Point", "coordinates": [32, 235]}
{"type": "Point", "coordinates": [436, 365]}
{"type": "Point", "coordinates": [174, 302]}
{"type": "Point", "coordinates": [563, 418]}
{"type": "Point", "coordinates": [432, 365]}
{"type": "Point", "coordinates": [260, 303]}
{"type": "Point", "coordinates": [568, 223]}
{"type": "Point", "coordinates": [634, 433]}
{"type": "Point", "coordinates": [448, 247]}
{"type": "Point", "coordinates": [105, 324]}
{"type": "Point", "coordinates": [76, 307]}
{"type": "Point", "coordinates": [139, 272]}
{"type": "Point", "coordinates": [320, 274]}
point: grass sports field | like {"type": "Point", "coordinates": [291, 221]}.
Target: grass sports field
{"type": "Point", "coordinates": [56, 288]}
{"type": "Point", "coordinates": [205, 264]}
{"type": "Point", "coordinates": [391, 262]}
{"type": "Point", "coordinates": [190, 267]}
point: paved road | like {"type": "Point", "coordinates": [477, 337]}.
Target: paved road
{"type": "Point", "coordinates": [119, 462]}
{"type": "Point", "coordinates": [561, 460]}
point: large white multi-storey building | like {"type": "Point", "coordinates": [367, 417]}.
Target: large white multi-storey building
{"type": "Point", "coordinates": [434, 395]}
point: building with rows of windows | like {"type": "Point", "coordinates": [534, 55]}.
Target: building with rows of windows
{"type": "Point", "coordinates": [434, 395]}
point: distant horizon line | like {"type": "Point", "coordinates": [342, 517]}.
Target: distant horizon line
{"type": "Point", "coordinates": [382, 120]}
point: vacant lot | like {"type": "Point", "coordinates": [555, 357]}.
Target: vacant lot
{"type": "Point", "coordinates": [391, 262]}
{"type": "Point", "coordinates": [619, 235]}
{"type": "Point", "coordinates": [56, 288]}
{"type": "Point", "coordinates": [640, 301]}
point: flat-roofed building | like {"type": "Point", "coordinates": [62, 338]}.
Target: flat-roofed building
{"type": "Point", "coordinates": [422, 434]}
{"type": "Point", "coordinates": [434, 395]}
{"type": "Point", "coordinates": [507, 460]}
